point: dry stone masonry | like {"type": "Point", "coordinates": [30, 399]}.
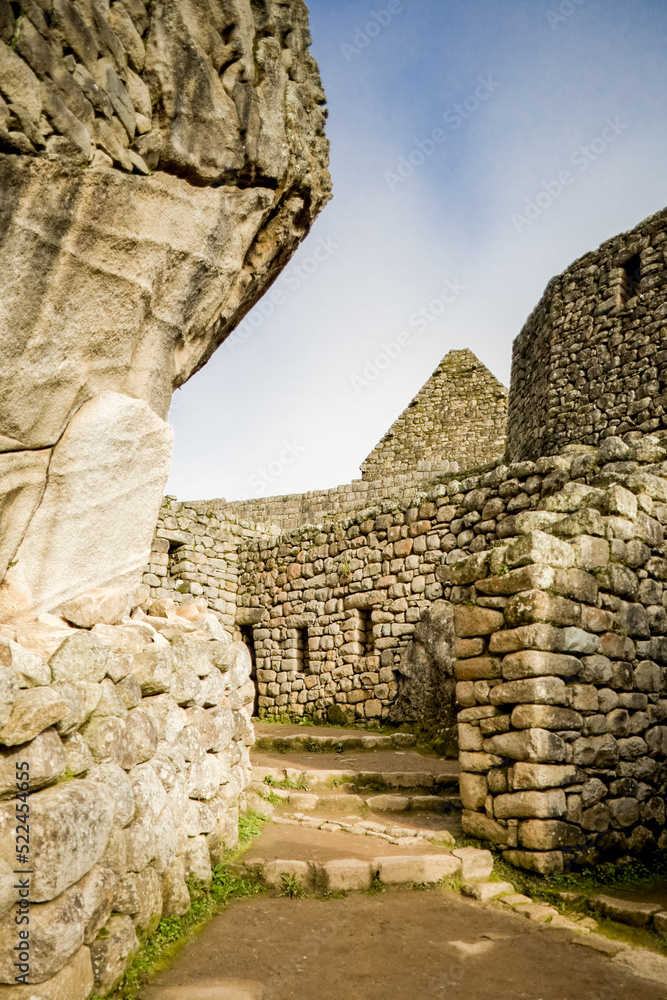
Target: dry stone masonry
{"type": "Point", "coordinates": [135, 734]}
{"type": "Point", "coordinates": [456, 421]}
{"type": "Point", "coordinates": [523, 602]}
{"type": "Point", "coordinates": [590, 361]}
{"type": "Point", "coordinates": [159, 165]}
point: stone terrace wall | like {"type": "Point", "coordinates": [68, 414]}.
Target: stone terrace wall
{"type": "Point", "coordinates": [456, 421]}
{"type": "Point", "coordinates": [591, 361]}
{"type": "Point", "coordinates": [134, 740]}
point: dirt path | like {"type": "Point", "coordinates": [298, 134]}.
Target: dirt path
{"type": "Point", "coordinates": [396, 946]}
{"type": "Point", "coordinates": [407, 761]}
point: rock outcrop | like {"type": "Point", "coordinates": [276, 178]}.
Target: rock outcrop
{"type": "Point", "coordinates": [158, 167]}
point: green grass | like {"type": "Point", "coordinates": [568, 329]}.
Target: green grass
{"type": "Point", "coordinates": [159, 950]}
{"type": "Point", "coordinates": [301, 783]}
{"type": "Point", "coordinates": [377, 886]}
{"type": "Point", "coordinates": [291, 887]}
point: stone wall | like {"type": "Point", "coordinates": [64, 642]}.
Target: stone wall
{"type": "Point", "coordinates": [561, 666]}
{"type": "Point", "coordinates": [544, 580]}
{"type": "Point", "coordinates": [318, 506]}
{"type": "Point", "coordinates": [132, 737]}
{"type": "Point", "coordinates": [196, 553]}
{"type": "Point", "coordinates": [456, 421]}
{"type": "Point", "coordinates": [591, 360]}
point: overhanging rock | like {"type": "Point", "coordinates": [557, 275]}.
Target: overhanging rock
{"type": "Point", "coordinates": [158, 168]}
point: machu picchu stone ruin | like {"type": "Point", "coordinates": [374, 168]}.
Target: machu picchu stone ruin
{"type": "Point", "coordinates": [448, 674]}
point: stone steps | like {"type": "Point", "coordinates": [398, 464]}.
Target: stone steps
{"type": "Point", "coordinates": [422, 781]}
{"type": "Point", "coordinates": [313, 742]}
{"type": "Point", "coordinates": [353, 802]}
{"type": "Point", "coordinates": [291, 788]}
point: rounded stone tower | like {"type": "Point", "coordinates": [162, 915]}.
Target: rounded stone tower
{"type": "Point", "coordinates": [591, 360]}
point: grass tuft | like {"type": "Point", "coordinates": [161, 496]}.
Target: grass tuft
{"type": "Point", "coordinates": [161, 947]}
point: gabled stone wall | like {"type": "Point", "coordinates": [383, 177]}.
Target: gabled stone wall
{"type": "Point", "coordinates": [456, 421]}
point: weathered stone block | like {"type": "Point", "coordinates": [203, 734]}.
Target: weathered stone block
{"type": "Point", "coordinates": [348, 875]}
{"type": "Point", "coordinates": [478, 668]}
{"type": "Point", "coordinates": [476, 824]}
{"type": "Point", "coordinates": [46, 757]}
{"type": "Point", "coordinates": [534, 690]}
{"type": "Point", "coordinates": [69, 829]}
{"type": "Point", "coordinates": [548, 835]}
{"type": "Point", "coordinates": [473, 789]}
{"type": "Point", "coordinates": [539, 547]}
{"type": "Point", "coordinates": [539, 606]}
{"type": "Point", "coordinates": [82, 657]}
{"type": "Point", "coordinates": [542, 862]}
{"type": "Point", "coordinates": [416, 869]}
{"type": "Point", "coordinates": [528, 745]}
{"type": "Point", "coordinates": [539, 805]}
{"type": "Point", "coordinates": [540, 776]}
{"type": "Point", "coordinates": [56, 935]}
{"type": "Point", "coordinates": [473, 621]}
{"type": "Point", "coordinates": [543, 637]}
{"type": "Point", "coordinates": [545, 717]}
{"type": "Point", "coordinates": [111, 951]}
{"type": "Point", "coordinates": [476, 865]}
{"type": "Point", "coordinates": [34, 710]}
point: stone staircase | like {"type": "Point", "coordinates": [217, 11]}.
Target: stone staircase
{"type": "Point", "coordinates": [365, 803]}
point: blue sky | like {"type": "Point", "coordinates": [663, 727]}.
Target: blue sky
{"type": "Point", "coordinates": [478, 148]}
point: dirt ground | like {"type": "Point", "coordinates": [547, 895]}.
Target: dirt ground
{"type": "Point", "coordinates": [296, 843]}
{"type": "Point", "coordinates": [401, 761]}
{"type": "Point", "coordinates": [404, 945]}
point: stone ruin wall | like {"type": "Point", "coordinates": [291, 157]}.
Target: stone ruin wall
{"type": "Point", "coordinates": [591, 359]}
{"type": "Point", "coordinates": [460, 414]}
{"type": "Point", "coordinates": [297, 510]}
{"type": "Point", "coordinates": [136, 738]}
{"type": "Point", "coordinates": [548, 581]}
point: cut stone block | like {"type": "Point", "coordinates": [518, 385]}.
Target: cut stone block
{"type": "Point", "coordinates": [348, 875]}
{"type": "Point", "coordinates": [483, 891]}
{"type": "Point", "coordinates": [417, 869]}
{"type": "Point", "coordinates": [542, 862]}
{"type": "Point", "coordinates": [475, 864]}
{"type": "Point", "coordinates": [273, 873]}
{"type": "Point", "coordinates": [625, 911]}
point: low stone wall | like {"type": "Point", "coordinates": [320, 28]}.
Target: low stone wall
{"type": "Point", "coordinates": [132, 740]}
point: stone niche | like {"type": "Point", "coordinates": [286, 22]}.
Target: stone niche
{"type": "Point", "coordinates": [158, 167]}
